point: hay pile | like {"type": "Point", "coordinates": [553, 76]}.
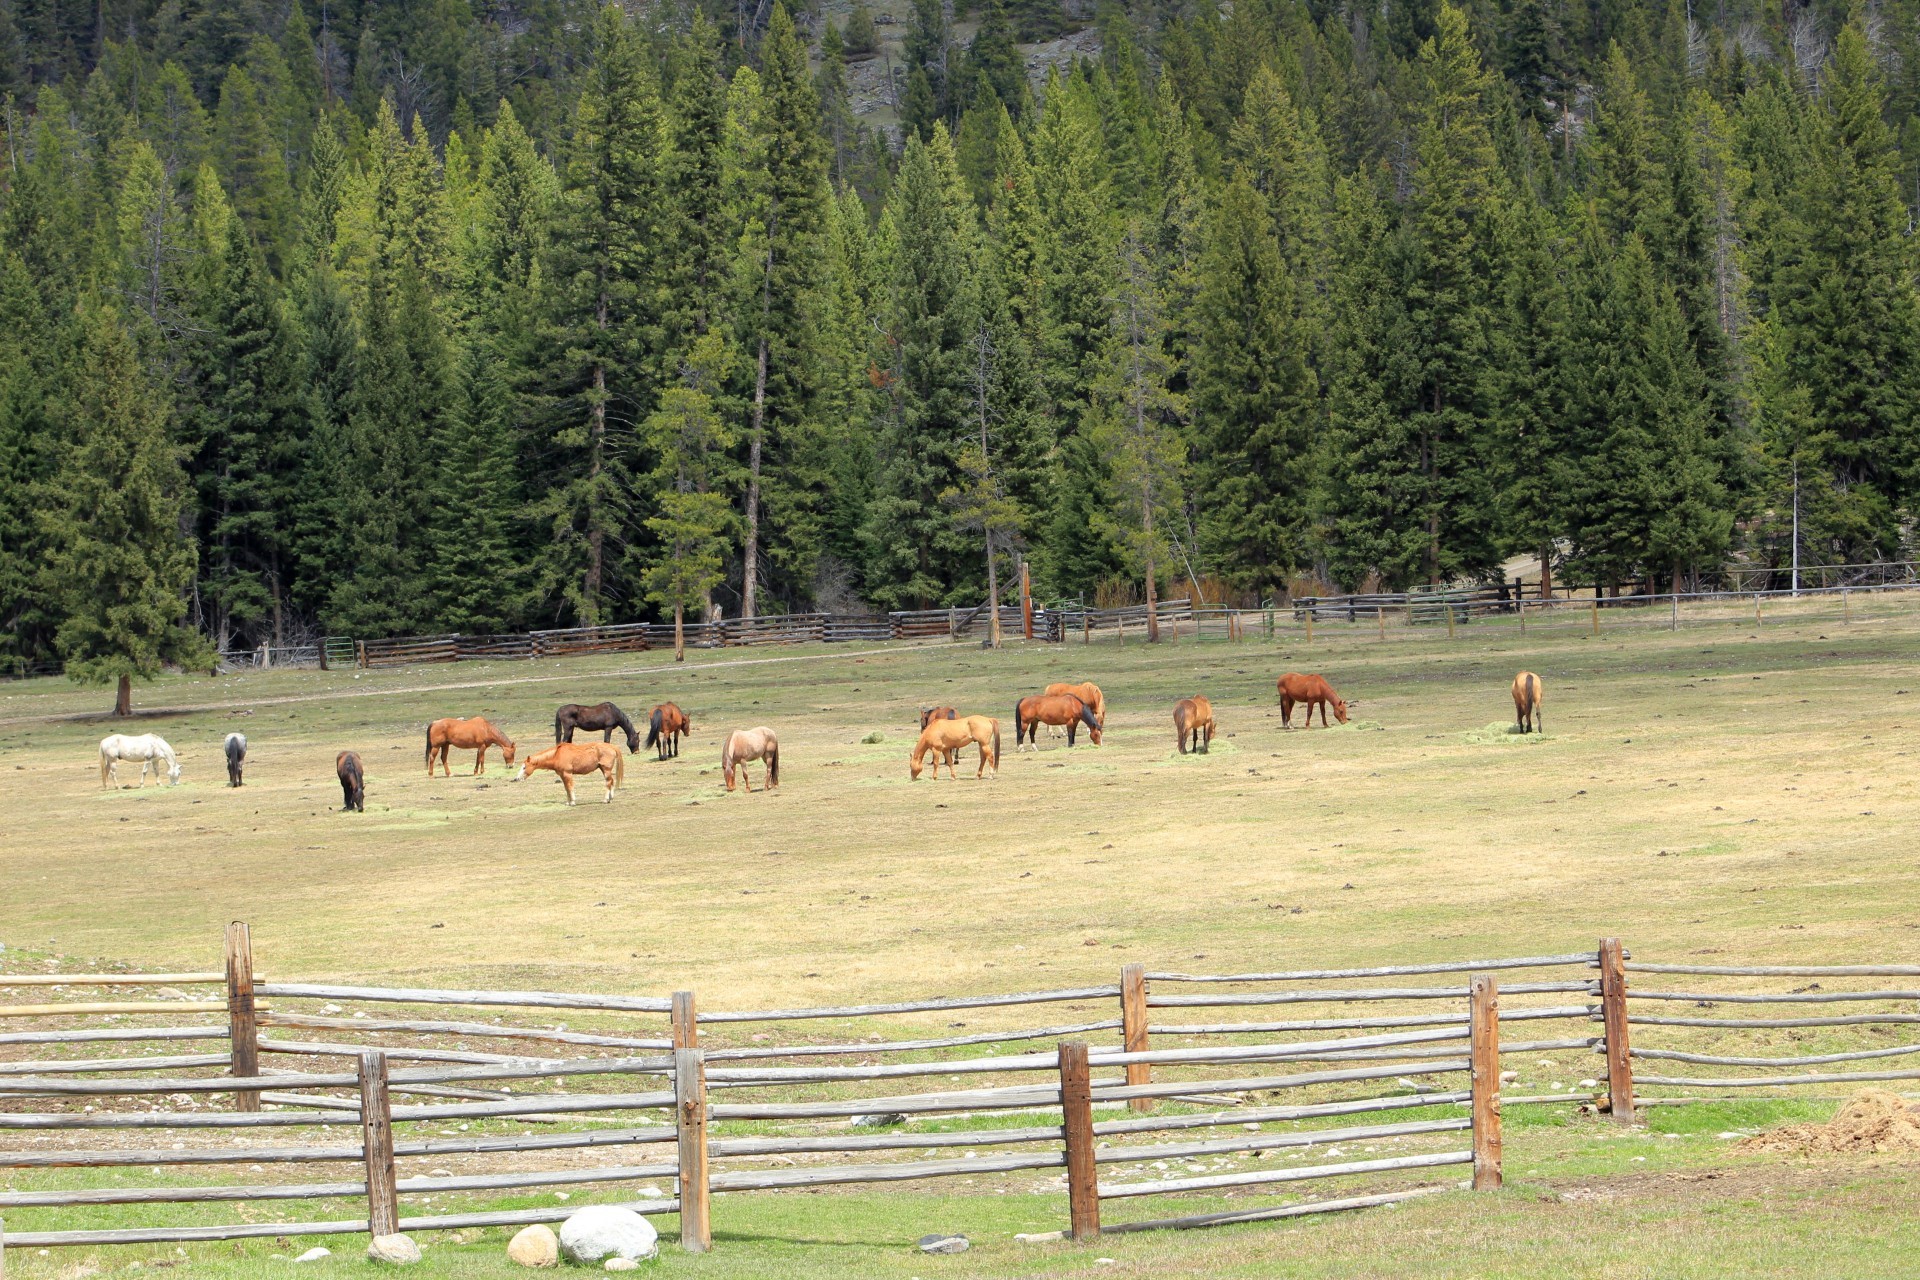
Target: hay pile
{"type": "Point", "coordinates": [1873, 1122]}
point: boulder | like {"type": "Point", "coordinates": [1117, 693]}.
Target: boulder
{"type": "Point", "coordinates": [878, 1120]}
{"type": "Point", "coordinates": [397, 1249]}
{"type": "Point", "coordinates": [606, 1231]}
{"type": "Point", "coordinates": [944, 1244]}
{"type": "Point", "coordinates": [535, 1246]}
{"type": "Point", "coordinates": [314, 1254]}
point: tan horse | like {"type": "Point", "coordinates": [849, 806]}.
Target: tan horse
{"type": "Point", "coordinates": [1526, 702]}
{"type": "Point", "coordinates": [573, 759]}
{"type": "Point", "coordinates": [946, 738]}
{"type": "Point", "coordinates": [751, 744]}
{"type": "Point", "coordinates": [1088, 693]}
{"type": "Point", "coordinates": [1193, 716]}
{"type": "Point", "coordinates": [1058, 708]}
{"type": "Point", "coordinates": [939, 713]}
{"type": "Point", "coordinates": [468, 735]}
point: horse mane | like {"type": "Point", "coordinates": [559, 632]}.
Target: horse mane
{"type": "Point", "coordinates": [1086, 716]}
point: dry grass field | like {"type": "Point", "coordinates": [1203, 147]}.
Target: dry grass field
{"type": "Point", "coordinates": [1729, 789]}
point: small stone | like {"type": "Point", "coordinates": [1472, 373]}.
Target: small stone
{"type": "Point", "coordinates": [398, 1249]}
{"type": "Point", "coordinates": [314, 1254]}
{"type": "Point", "coordinates": [622, 1264]}
{"type": "Point", "coordinates": [944, 1244]}
{"type": "Point", "coordinates": [439, 1173]}
{"type": "Point", "coordinates": [602, 1231]}
{"type": "Point", "coordinates": [535, 1246]}
{"type": "Point", "coordinates": [878, 1120]}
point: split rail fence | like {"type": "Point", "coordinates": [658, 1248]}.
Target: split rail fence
{"type": "Point", "coordinates": [1342, 1088]}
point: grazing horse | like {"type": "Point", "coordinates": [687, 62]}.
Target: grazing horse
{"type": "Point", "coordinates": [1052, 708]}
{"type": "Point", "coordinates": [664, 728]}
{"type": "Point", "coordinates": [1193, 716]}
{"type": "Point", "coordinates": [353, 782]}
{"type": "Point", "coordinates": [468, 735]}
{"type": "Point", "coordinates": [1526, 702]}
{"type": "Point", "coordinates": [928, 714]}
{"type": "Point", "coordinates": [150, 749]}
{"type": "Point", "coordinates": [1088, 693]}
{"type": "Point", "coordinates": [236, 757]}
{"type": "Point", "coordinates": [1314, 691]}
{"type": "Point", "coordinates": [751, 744]}
{"type": "Point", "coordinates": [605, 716]}
{"type": "Point", "coordinates": [946, 738]}
{"type": "Point", "coordinates": [570, 759]}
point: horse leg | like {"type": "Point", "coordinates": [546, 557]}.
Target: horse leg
{"type": "Point", "coordinates": [566, 779]}
{"type": "Point", "coordinates": [609, 775]}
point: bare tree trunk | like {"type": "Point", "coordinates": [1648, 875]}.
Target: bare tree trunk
{"type": "Point", "coordinates": [1546, 571]}
{"type": "Point", "coordinates": [123, 700]}
{"type": "Point", "coordinates": [679, 631]}
{"type": "Point", "coordinates": [751, 556]}
{"type": "Point", "coordinates": [1153, 601]}
{"type": "Point", "coordinates": [993, 596]}
{"type": "Point", "coordinates": [597, 434]}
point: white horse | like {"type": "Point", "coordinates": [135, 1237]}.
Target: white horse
{"type": "Point", "coordinates": [150, 749]}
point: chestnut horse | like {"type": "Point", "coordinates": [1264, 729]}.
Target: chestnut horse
{"type": "Point", "coordinates": [1052, 708]}
{"type": "Point", "coordinates": [751, 744]}
{"type": "Point", "coordinates": [946, 738]}
{"type": "Point", "coordinates": [1526, 702]}
{"type": "Point", "coordinates": [664, 728]}
{"type": "Point", "coordinates": [569, 759]}
{"type": "Point", "coordinates": [1193, 716]}
{"type": "Point", "coordinates": [939, 713]}
{"type": "Point", "coordinates": [605, 716]}
{"type": "Point", "coordinates": [1314, 691]}
{"type": "Point", "coordinates": [353, 782]}
{"type": "Point", "coordinates": [468, 735]}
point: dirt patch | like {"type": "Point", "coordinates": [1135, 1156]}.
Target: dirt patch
{"type": "Point", "coordinates": [1872, 1123]}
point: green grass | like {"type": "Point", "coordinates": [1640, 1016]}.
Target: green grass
{"type": "Point", "coordinates": [1723, 792]}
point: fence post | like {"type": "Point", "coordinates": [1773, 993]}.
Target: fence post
{"type": "Point", "coordinates": [1076, 1113]}
{"type": "Point", "coordinates": [1673, 622]}
{"type": "Point", "coordinates": [1596, 611]}
{"type": "Point", "coordinates": [1380, 616]}
{"type": "Point", "coordinates": [1756, 609]}
{"type": "Point", "coordinates": [1521, 607]}
{"type": "Point", "coordinates": [690, 1096]}
{"type": "Point", "coordinates": [1026, 600]}
{"type": "Point", "coordinates": [1613, 1009]}
{"type": "Point", "coordinates": [1484, 1008]}
{"type": "Point", "coordinates": [1133, 1028]}
{"type": "Point", "coordinates": [686, 1023]}
{"type": "Point", "coordinates": [376, 1139]}
{"type": "Point", "coordinates": [1449, 608]}
{"type": "Point", "coordinates": [1846, 609]}
{"type": "Point", "coordinates": [243, 1032]}
{"type": "Point", "coordinates": [1309, 624]}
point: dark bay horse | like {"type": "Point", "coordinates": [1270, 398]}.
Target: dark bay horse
{"type": "Point", "coordinates": [605, 716]}
{"type": "Point", "coordinates": [1193, 717]}
{"type": "Point", "coordinates": [1052, 708]}
{"type": "Point", "coordinates": [1526, 703]}
{"type": "Point", "coordinates": [664, 729]}
{"type": "Point", "coordinates": [353, 782]}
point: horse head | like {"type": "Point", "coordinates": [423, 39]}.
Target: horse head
{"type": "Point", "coordinates": [506, 750]}
{"type": "Point", "coordinates": [173, 770]}
{"type": "Point", "coordinates": [1340, 708]}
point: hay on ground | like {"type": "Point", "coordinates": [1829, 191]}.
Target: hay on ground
{"type": "Point", "coordinates": [1873, 1121]}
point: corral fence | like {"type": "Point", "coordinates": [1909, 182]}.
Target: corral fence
{"type": "Point", "coordinates": [1295, 1092]}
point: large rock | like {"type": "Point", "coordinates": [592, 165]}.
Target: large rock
{"type": "Point", "coordinates": [314, 1254]}
{"type": "Point", "coordinates": [605, 1231]}
{"type": "Point", "coordinates": [397, 1249]}
{"type": "Point", "coordinates": [878, 1120]}
{"type": "Point", "coordinates": [944, 1244]}
{"type": "Point", "coordinates": [536, 1246]}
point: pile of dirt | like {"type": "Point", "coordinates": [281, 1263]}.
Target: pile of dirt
{"type": "Point", "coordinates": [1873, 1121]}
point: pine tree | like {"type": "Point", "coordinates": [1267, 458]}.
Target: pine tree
{"type": "Point", "coordinates": [694, 526]}
{"type": "Point", "coordinates": [117, 569]}
{"type": "Point", "coordinates": [478, 535]}
{"type": "Point", "coordinates": [28, 435]}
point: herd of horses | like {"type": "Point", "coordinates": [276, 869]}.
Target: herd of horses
{"type": "Point", "coordinates": [944, 734]}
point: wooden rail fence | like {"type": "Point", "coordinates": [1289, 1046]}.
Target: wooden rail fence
{"type": "Point", "coordinates": [657, 1088]}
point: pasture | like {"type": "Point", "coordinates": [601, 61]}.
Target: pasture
{"type": "Point", "coordinates": [1726, 790]}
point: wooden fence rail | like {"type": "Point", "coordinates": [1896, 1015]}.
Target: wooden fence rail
{"type": "Point", "coordinates": [1349, 1071]}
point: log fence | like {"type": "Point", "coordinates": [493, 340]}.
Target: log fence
{"type": "Point", "coordinates": [1402, 1061]}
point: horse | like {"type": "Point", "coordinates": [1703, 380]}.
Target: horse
{"type": "Point", "coordinates": [1193, 716]}
{"type": "Point", "coordinates": [1088, 693]}
{"type": "Point", "coordinates": [1056, 708]}
{"type": "Point", "coordinates": [236, 757]}
{"type": "Point", "coordinates": [946, 738]}
{"type": "Point", "coordinates": [467, 735]}
{"type": "Point", "coordinates": [605, 716]}
{"type": "Point", "coordinates": [751, 744]}
{"type": "Point", "coordinates": [928, 714]}
{"type": "Point", "coordinates": [1314, 691]}
{"type": "Point", "coordinates": [664, 728]}
{"type": "Point", "coordinates": [150, 749]}
{"type": "Point", "coordinates": [568, 759]}
{"type": "Point", "coordinates": [1526, 702]}
{"type": "Point", "coordinates": [353, 782]}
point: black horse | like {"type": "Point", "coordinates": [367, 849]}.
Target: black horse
{"type": "Point", "coordinates": [353, 782]}
{"type": "Point", "coordinates": [605, 716]}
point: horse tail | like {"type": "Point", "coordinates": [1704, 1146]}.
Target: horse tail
{"type": "Point", "coordinates": [429, 746]}
{"type": "Point", "coordinates": [559, 727]}
{"type": "Point", "coordinates": [106, 765]}
{"type": "Point", "coordinates": [773, 763]}
{"type": "Point", "coordinates": [996, 746]}
{"type": "Point", "coordinates": [1019, 730]}
{"type": "Point", "coordinates": [653, 727]}
{"type": "Point", "coordinates": [619, 770]}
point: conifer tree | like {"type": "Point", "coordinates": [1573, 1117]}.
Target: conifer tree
{"type": "Point", "coordinates": [694, 525]}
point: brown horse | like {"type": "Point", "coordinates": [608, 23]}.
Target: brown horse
{"type": "Point", "coordinates": [468, 735]}
{"type": "Point", "coordinates": [605, 716]}
{"type": "Point", "coordinates": [353, 782]}
{"type": "Point", "coordinates": [939, 713]}
{"type": "Point", "coordinates": [571, 759]}
{"type": "Point", "coordinates": [751, 744]}
{"type": "Point", "coordinates": [1193, 716]}
{"type": "Point", "coordinates": [1526, 702]}
{"type": "Point", "coordinates": [946, 738]}
{"type": "Point", "coordinates": [1088, 693]}
{"type": "Point", "coordinates": [1314, 691]}
{"type": "Point", "coordinates": [664, 728]}
{"type": "Point", "coordinates": [1052, 708]}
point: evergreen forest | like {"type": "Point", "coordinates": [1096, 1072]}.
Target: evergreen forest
{"type": "Point", "coordinates": [360, 318]}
